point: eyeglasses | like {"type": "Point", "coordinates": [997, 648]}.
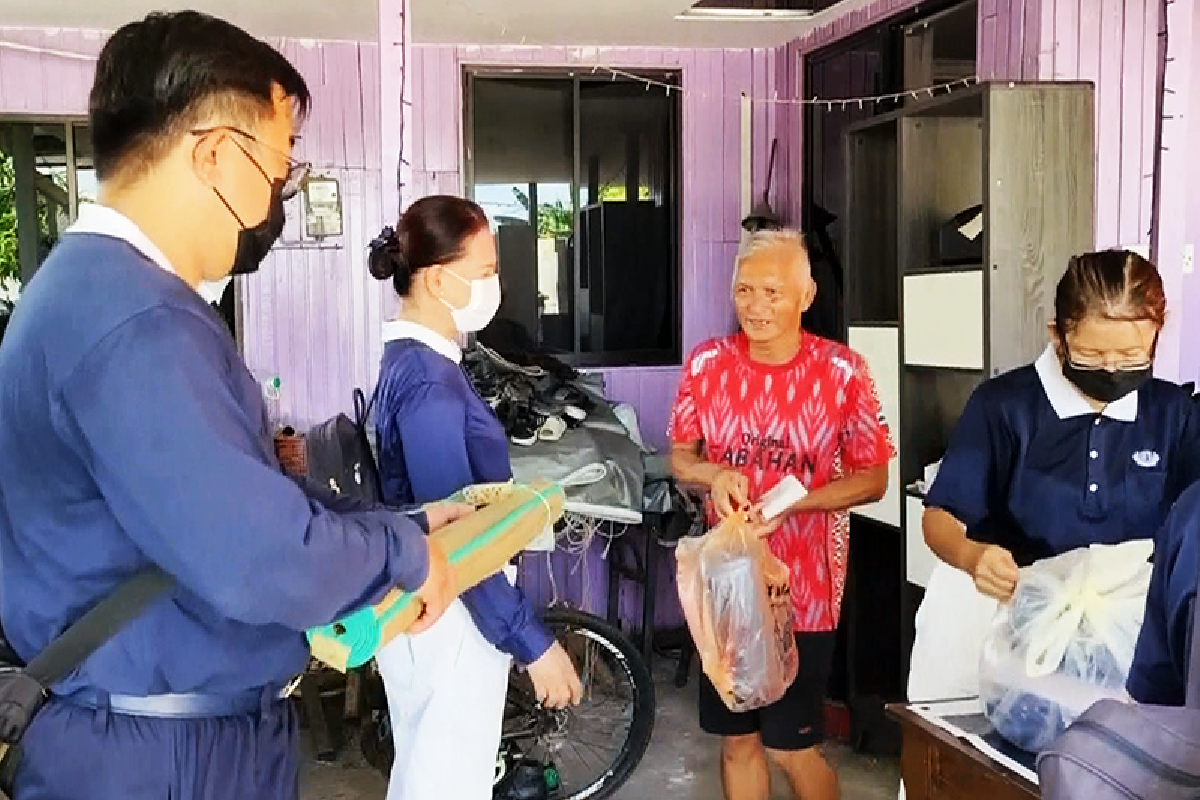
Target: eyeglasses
{"type": "Point", "coordinates": [297, 170]}
{"type": "Point", "coordinates": [1117, 365]}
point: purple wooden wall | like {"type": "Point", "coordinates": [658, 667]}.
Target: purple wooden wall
{"type": "Point", "coordinates": [1115, 45]}
{"type": "Point", "coordinates": [1179, 194]}
{"type": "Point", "coordinates": [712, 83]}
{"type": "Point", "coordinates": [47, 84]}
{"type": "Point", "coordinates": [312, 315]}
{"type": "Point", "coordinates": [852, 22]}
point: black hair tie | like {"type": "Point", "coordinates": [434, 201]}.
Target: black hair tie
{"type": "Point", "coordinates": [384, 254]}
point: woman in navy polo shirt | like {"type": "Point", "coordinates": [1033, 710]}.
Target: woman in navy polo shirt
{"type": "Point", "coordinates": [446, 687]}
{"type": "Point", "coordinates": [1081, 447]}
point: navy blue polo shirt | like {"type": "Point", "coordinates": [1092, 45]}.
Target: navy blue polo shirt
{"type": "Point", "coordinates": [1160, 662]}
{"type": "Point", "coordinates": [1031, 467]}
{"type": "Point", "coordinates": [132, 433]}
{"type": "Point", "coordinates": [436, 436]}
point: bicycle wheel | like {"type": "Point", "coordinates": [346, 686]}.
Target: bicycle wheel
{"type": "Point", "coordinates": [591, 750]}
{"type": "Point", "coordinates": [606, 659]}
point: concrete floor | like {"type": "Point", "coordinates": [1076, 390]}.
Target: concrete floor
{"type": "Point", "coordinates": [682, 763]}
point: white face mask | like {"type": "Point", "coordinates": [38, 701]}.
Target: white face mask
{"type": "Point", "coordinates": [482, 306]}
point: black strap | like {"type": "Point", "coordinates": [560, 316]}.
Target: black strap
{"type": "Point", "coordinates": [362, 412]}
{"type": "Point", "coordinates": [97, 626]}
{"type": "Point", "coordinates": [362, 407]}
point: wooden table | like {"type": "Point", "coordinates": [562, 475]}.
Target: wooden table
{"type": "Point", "coordinates": [938, 766]}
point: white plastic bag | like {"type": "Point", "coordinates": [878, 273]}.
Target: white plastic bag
{"type": "Point", "coordinates": [1064, 641]}
{"type": "Point", "coordinates": [737, 600]}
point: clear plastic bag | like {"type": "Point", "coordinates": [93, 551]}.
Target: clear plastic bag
{"type": "Point", "coordinates": [1064, 641]}
{"type": "Point", "coordinates": [736, 597]}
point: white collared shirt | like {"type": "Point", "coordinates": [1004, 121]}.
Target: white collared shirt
{"type": "Point", "coordinates": [104, 221]}
{"type": "Point", "coordinates": [405, 329]}
{"type": "Point", "coordinates": [1066, 399]}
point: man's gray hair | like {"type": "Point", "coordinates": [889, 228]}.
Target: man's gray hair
{"type": "Point", "coordinates": [768, 239]}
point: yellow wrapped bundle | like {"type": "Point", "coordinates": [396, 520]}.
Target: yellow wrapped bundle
{"type": "Point", "coordinates": [477, 546]}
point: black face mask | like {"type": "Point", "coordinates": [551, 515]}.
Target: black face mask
{"type": "Point", "coordinates": [254, 243]}
{"type": "Point", "coordinates": [1106, 385]}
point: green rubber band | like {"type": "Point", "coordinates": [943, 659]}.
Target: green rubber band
{"type": "Point", "coordinates": [361, 632]}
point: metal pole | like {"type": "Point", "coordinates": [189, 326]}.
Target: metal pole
{"type": "Point", "coordinates": [25, 171]}
{"type": "Point", "coordinates": [72, 174]}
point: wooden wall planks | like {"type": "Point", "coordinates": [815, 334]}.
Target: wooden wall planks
{"type": "Point", "coordinates": [312, 315]}
{"type": "Point", "coordinates": [1112, 44]}
{"type": "Point", "coordinates": [713, 80]}
{"type": "Point", "coordinates": [1178, 199]}
{"type": "Point", "coordinates": [1115, 45]}
{"type": "Point", "coordinates": [47, 84]}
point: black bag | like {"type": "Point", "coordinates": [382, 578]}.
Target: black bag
{"type": "Point", "coordinates": [1129, 751]}
{"type": "Point", "coordinates": [340, 456]}
{"type": "Point", "coordinates": [24, 688]}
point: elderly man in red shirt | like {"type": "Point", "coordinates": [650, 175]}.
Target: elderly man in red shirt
{"type": "Point", "coordinates": [770, 401]}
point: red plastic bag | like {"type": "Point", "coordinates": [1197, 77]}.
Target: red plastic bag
{"type": "Point", "coordinates": [737, 600]}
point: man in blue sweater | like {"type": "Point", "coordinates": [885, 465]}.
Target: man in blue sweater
{"type": "Point", "coordinates": [133, 434]}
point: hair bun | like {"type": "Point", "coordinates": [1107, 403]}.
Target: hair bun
{"type": "Point", "coordinates": [385, 259]}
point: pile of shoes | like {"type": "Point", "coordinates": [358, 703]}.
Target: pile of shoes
{"type": "Point", "coordinates": [532, 403]}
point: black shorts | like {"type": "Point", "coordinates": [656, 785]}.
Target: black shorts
{"type": "Point", "coordinates": [797, 720]}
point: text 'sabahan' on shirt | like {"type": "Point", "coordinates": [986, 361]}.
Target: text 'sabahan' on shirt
{"type": "Point", "coordinates": [817, 417]}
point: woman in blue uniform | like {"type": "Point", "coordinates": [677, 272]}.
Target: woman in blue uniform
{"type": "Point", "coordinates": [1159, 674]}
{"type": "Point", "coordinates": [1081, 447]}
{"type": "Point", "coordinates": [446, 687]}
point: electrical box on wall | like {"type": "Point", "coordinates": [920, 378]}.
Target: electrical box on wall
{"type": "Point", "coordinates": [322, 207]}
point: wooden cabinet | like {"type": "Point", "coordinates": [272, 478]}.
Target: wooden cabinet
{"type": "Point", "coordinates": [1024, 154]}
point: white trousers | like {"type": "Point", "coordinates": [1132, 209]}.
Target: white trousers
{"type": "Point", "coordinates": [952, 622]}
{"type": "Point", "coordinates": [445, 692]}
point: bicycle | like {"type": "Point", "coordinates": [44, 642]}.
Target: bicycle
{"type": "Point", "coordinates": [545, 739]}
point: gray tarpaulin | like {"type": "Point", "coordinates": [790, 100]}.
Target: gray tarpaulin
{"type": "Point", "coordinates": [602, 439]}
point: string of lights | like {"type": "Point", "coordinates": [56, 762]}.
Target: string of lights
{"type": "Point", "coordinates": [829, 103]}
{"type": "Point", "coordinates": [44, 51]}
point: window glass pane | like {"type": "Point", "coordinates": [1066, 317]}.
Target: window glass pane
{"type": "Point", "coordinates": [523, 150]}
{"type": "Point", "coordinates": [84, 170]}
{"type": "Point", "coordinates": [607, 292]}
{"type": "Point", "coordinates": [627, 228]}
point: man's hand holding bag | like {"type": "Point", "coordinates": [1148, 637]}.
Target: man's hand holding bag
{"type": "Point", "coordinates": [736, 597]}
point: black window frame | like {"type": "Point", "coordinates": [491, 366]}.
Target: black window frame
{"type": "Point", "coordinates": [673, 355]}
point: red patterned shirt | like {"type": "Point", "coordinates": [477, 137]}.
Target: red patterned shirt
{"type": "Point", "coordinates": [817, 417]}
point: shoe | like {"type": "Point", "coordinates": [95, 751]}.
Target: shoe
{"type": "Point", "coordinates": [552, 429]}
{"type": "Point", "coordinates": [525, 427]}
{"type": "Point", "coordinates": [526, 780]}
{"type": "Point", "coordinates": [540, 406]}
{"type": "Point", "coordinates": [489, 393]}
{"type": "Point", "coordinates": [570, 396]}
{"type": "Point", "coordinates": [518, 390]}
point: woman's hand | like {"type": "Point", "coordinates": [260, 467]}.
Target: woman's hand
{"type": "Point", "coordinates": [730, 492]}
{"type": "Point", "coordinates": [555, 682]}
{"type": "Point", "coordinates": [995, 573]}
